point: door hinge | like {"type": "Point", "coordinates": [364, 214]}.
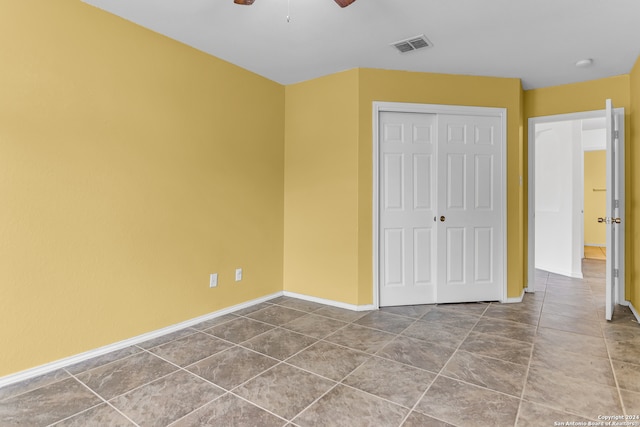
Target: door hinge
{"type": "Point", "coordinates": [616, 134]}
{"type": "Point", "coordinates": [616, 272]}
{"type": "Point", "coordinates": [616, 204]}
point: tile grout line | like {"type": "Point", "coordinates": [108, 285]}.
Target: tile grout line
{"type": "Point", "coordinates": [179, 368]}
{"type": "Point", "coordinates": [341, 382]}
{"type": "Point", "coordinates": [99, 397]}
{"type": "Point", "coordinates": [197, 409]}
{"type": "Point", "coordinates": [336, 383]}
{"type": "Point", "coordinates": [613, 370]}
{"type": "Point", "coordinates": [610, 360]}
{"type": "Point", "coordinates": [375, 355]}
{"type": "Point", "coordinates": [104, 400]}
{"type": "Point", "coordinates": [231, 390]}
{"type": "Point", "coordinates": [314, 401]}
{"type": "Point", "coordinates": [22, 393]}
{"type": "Point", "coordinates": [259, 406]}
{"type": "Point", "coordinates": [438, 374]}
{"type": "Point", "coordinates": [274, 327]}
{"type": "Point", "coordinates": [378, 350]}
{"type": "Point", "coordinates": [280, 362]}
{"type": "Point", "coordinates": [533, 344]}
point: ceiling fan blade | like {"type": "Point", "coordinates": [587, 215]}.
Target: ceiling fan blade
{"type": "Point", "coordinates": [341, 3]}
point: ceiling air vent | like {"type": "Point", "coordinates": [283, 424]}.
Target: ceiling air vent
{"type": "Point", "coordinates": [414, 43]}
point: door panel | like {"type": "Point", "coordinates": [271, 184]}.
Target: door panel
{"type": "Point", "coordinates": [406, 230]}
{"type": "Point", "coordinates": [484, 135]}
{"type": "Point", "coordinates": [422, 182]}
{"type": "Point", "coordinates": [422, 133]}
{"type": "Point", "coordinates": [455, 250]}
{"type": "Point", "coordinates": [393, 176]}
{"type": "Point", "coordinates": [483, 262]}
{"type": "Point", "coordinates": [393, 132]}
{"type": "Point", "coordinates": [469, 189]}
{"type": "Point", "coordinates": [484, 182]}
{"type": "Point", "coordinates": [394, 257]}
{"type": "Point", "coordinates": [456, 133]}
{"type": "Point", "coordinates": [456, 180]}
{"type": "Point", "coordinates": [422, 244]}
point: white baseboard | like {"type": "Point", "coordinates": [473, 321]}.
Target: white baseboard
{"type": "Point", "coordinates": [68, 361]}
{"type": "Point", "coordinates": [635, 313]}
{"type": "Point", "coordinates": [566, 273]}
{"type": "Point", "coordinates": [514, 299]}
{"type": "Point", "coordinates": [50, 367]}
{"type": "Point", "coordinates": [338, 304]}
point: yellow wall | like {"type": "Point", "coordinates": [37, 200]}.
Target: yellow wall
{"type": "Point", "coordinates": [571, 98]}
{"type": "Point", "coordinates": [595, 177]}
{"type": "Point", "coordinates": [633, 190]}
{"type": "Point", "coordinates": [399, 86]}
{"type": "Point", "coordinates": [131, 167]}
{"type": "Point", "coordinates": [328, 178]}
{"type": "Point", "coordinates": [321, 187]}
{"type": "Point", "coordinates": [587, 96]}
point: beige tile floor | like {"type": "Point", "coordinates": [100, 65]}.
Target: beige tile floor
{"type": "Point", "coordinates": [551, 358]}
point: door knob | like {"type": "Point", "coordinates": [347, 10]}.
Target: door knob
{"type": "Point", "coordinates": [442, 218]}
{"type": "Point", "coordinates": [608, 220]}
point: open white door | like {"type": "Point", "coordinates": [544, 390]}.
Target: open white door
{"type": "Point", "coordinates": [612, 220]}
{"type": "Point", "coordinates": [615, 198]}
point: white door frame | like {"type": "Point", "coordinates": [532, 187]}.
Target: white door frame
{"type": "Point", "coordinates": [533, 121]}
{"type": "Point", "coordinates": [379, 107]}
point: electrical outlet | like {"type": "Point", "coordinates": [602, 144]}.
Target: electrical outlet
{"type": "Point", "coordinates": [238, 274]}
{"type": "Point", "coordinates": [213, 280]}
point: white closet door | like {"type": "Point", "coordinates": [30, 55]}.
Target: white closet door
{"type": "Point", "coordinates": [407, 200]}
{"type": "Point", "coordinates": [469, 214]}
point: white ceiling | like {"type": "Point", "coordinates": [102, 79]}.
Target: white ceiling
{"type": "Point", "coordinates": [538, 41]}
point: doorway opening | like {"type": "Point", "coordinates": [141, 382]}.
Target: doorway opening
{"type": "Point", "coordinates": [595, 185]}
{"type": "Point", "coordinates": [566, 193]}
